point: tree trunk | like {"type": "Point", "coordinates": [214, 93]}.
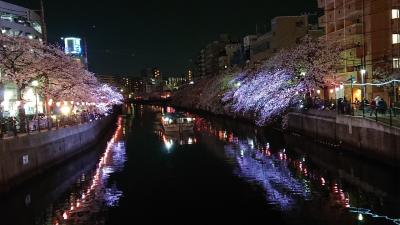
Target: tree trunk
{"type": "Point", "coordinates": [21, 112]}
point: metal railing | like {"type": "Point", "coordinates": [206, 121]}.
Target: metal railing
{"type": "Point", "coordinates": [389, 115]}
{"type": "Point", "coordinates": [12, 126]}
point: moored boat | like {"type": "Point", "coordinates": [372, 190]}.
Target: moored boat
{"type": "Point", "coordinates": [177, 122]}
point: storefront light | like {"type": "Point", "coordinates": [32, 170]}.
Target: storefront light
{"type": "Point", "coordinates": [8, 95]}
{"type": "Point", "coordinates": [65, 110]}
{"type": "Point", "coordinates": [35, 83]}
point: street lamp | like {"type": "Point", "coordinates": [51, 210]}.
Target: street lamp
{"type": "Point", "coordinates": [363, 72]}
{"type": "Point", "coordinates": [364, 94]}
{"type": "Point", "coordinates": [352, 81]}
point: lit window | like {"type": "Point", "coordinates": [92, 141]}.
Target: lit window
{"type": "Point", "coordinates": [396, 63]}
{"type": "Point", "coordinates": [395, 13]}
{"type": "Point", "coordinates": [395, 38]}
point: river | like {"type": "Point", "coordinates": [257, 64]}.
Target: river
{"type": "Point", "coordinates": [225, 172]}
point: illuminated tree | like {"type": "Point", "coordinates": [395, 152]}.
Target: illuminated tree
{"type": "Point", "coordinates": [60, 77]}
{"type": "Point", "coordinates": [266, 95]}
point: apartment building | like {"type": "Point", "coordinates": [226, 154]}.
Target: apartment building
{"type": "Point", "coordinates": [369, 32]}
{"type": "Point", "coordinates": [286, 32]}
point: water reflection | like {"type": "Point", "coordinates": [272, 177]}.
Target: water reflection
{"type": "Point", "coordinates": [93, 194]}
{"type": "Point", "coordinates": [170, 139]}
{"type": "Point", "coordinates": [293, 180]}
{"type": "Point", "coordinates": [306, 182]}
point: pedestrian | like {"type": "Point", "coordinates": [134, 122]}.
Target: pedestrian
{"type": "Point", "coordinates": [372, 107]}
{"type": "Point", "coordinates": [357, 104]}
{"type": "Point", "coordinates": [381, 106]}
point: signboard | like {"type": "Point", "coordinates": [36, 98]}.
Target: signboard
{"type": "Point", "coordinates": [72, 46]}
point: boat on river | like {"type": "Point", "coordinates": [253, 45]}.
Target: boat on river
{"type": "Point", "coordinates": [177, 122]}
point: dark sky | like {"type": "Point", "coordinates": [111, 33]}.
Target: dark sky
{"type": "Point", "coordinates": [125, 36]}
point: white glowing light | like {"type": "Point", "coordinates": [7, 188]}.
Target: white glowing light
{"type": "Point", "coordinates": [360, 217]}
{"type": "Point", "coordinates": [72, 45]}
{"type": "Point", "coordinates": [65, 110]}
{"type": "Point", "coordinates": [35, 83]}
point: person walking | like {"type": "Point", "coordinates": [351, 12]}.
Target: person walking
{"type": "Point", "coordinates": [372, 107]}
{"type": "Point", "coordinates": [381, 106]}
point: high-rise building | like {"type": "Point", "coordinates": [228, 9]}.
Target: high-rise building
{"type": "Point", "coordinates": [369, 31]}
{"type": "Point", "coordinates": [200, 64]}
{"type": "Point", "coordinates": [152, 76]}
{"type": "Point", "coordinates": [19, 21]}
{"type": "Point", "coordinates": [247, 43]}
{"type": "Point", "coordinates": [22, 22]}
{"type": "Point", "coordinates": [189, 76]}
{"type": "Point", "coordinates": [212, 56]}
{"type": "Point", "coordinates": [76, 48]}
{"type": "Point", "coordinates": [286, 32]}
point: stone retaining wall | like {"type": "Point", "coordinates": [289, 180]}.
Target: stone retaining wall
{"type": "Point", "coordinates": [363, 136]}
{"type": "Point", "coordinates": [25, 156]}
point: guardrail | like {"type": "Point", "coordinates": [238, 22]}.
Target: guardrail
{"type": "Point", "coordinates": [390, 116]}
{"type": "Point", "coordinates": [12, 126]}
{"type": "Point", "coordinates": [383, 114]}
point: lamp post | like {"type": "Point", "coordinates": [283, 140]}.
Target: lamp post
{"type": "Point", "coordinates": [351, 90]}
{"type": "Point", "coordinates": [364, 94]}
{"type": "Point", "coordinates": [35, 84]}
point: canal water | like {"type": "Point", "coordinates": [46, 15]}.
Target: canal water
{"type": "Point", "coordinates": [225, 172]}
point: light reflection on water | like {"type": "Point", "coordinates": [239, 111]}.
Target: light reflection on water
{"type": "Point", "coordinates": [93, 194]}
{"type": "Point", "coordinates": [281, 188]}
{"type": "Point", "coordinates": [288, 179]}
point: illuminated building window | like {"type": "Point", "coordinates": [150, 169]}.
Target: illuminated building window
{"type": "Point", "coordinates": [396, 63]}
{"type": "Point", "coordinates": [395, 13]}
{"type": "Point", "coordinates": [395, 38]}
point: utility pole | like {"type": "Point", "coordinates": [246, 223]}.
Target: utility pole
{"type": "Point", "coordinates": [86, 53]}
{"type": "Point", "coordinates": [44, 27]}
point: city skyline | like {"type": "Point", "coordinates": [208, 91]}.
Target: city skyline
{"type": "Point", "coordinates": [124, 38]}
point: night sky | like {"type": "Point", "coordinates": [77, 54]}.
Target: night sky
{"type": "Point", "coordinates": [125, 36]}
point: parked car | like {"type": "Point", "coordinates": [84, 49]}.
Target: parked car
{"type": "Point", "coordinates": [41, 119]}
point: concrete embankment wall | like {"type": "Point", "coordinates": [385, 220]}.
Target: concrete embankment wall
{"type": "Point", "coordinates": [26, 156]}
{"type": "Point", "coordinates": [369, 138]}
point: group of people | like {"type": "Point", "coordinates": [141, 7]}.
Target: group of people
{"type": "Point", "coordinates": [344, 106]}
{"type": "Point", "coordinates": [377, 105]}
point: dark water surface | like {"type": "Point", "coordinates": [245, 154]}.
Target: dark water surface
{"type": "Point", "coordinates": [225, 172]}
